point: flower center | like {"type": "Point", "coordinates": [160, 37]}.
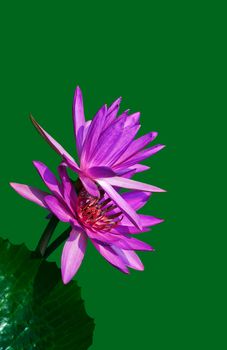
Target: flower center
{"type": "Point", "coordinates": [97, 213]}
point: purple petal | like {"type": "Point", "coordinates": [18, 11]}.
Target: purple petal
{"type": "Point", "coordinates": [120, 202]}
{"type": "Point", "coordinates": [132, 119]}
{"type": "Point", "coordinates": [58, 209]}
{"type": "Point", "coordinates": [139, 157]}
{"type": "Point", "coordinates": [130, 258]}
{"type": "Point", "coordinates": [121, 229]}
{"type": "Point", "coordinates": [93, 135]}
{"type": "Point", "coordinates": [68, 189]}
{"type": "Point", "coordinates": [111, 256]}
{"type": "Point", "coordinates": [48, 178]}
{"type": "Point", "coordinates": [72, 165]}
{"type": "Point", "coordinates": [106, 237]}
{"type": "Point", "coordinates": [30, 193]}
{"type": "Point", "coordinates": [52, 142]}
{"type": "Point", "coordinates": [112, 112]}
{"type": "Point", "coordinates": [122, 143]}
{"type": "Point", "coordinates": [131, 171]}
{"type": "Point", "coordinates": [131, 184]}
{"type": "Point", "coordinates": [90, 186]}
{"type": "Point", "coordinates": [78, 118]}
{"type": "Point", "coordinates": [137, 145]}
{"type": "Point", "coordinates": [113, 142]}
{"type": "Point", "coordinates": [131, 243]}
{"type": "Point", "coordinates": [86, 128]}
{"type": "Point", "coordinates": [121, 241]}
{"type": "Point", "coordinates": [106, 143]}
{"type": "Point", "coordinates": [136, 199]}
{"type": "Point", "coordinates": [101, 171]}
{"type": "Point", "coordinates": [73, 254]}
{"type": "Point", "coordinates": [138, 168]}
{"type": "Point", "coordinates": [148, 220]}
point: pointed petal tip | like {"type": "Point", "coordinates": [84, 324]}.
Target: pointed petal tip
{"type": "Point", "coordinates": [34, 122]}
{"type": "Point", "coordinates": [160, 221]}
{"type": "Point", "coordinates": [77, 91]}
{"type": "Point", "coordinates": [16, 186]}
{"type": "Point", "coordinates": [78, 88]}
{"type": "Point", "coordinates": [13, 184]}
{"type": "Point", "coordinates": [30, 116]}
{"type": "Point", "coordinates": [37, 163]}
{"type": "Point", "coordinates": [138, 266]}
{"type": "Point", "coordinates": [162, 146]}
{"type": "Point", "coordinates": [65, 280]}
{"type": "Point", "coordinates": [119, 100]}
{"type": "Point", "coordinates": [162, 190]}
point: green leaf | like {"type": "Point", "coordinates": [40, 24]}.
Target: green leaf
{"type": "Point", "coordinates": [36, 310]}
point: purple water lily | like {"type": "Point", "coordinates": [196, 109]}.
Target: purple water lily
{"type": "Point", "coordinates": [109, 156]}
{"type": "Point", "coordinates": [95, 218]}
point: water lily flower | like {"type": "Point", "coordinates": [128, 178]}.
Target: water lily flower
{"type": "Point", "coordinates": [95, 218]}
{"type": "Point", "coordinates": [108, 154]}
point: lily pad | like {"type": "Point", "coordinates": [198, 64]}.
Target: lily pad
{"type": "Point", "coordinates": [36, 310]}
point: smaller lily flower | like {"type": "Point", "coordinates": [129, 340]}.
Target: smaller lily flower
{"type": "Point", "coordinates": [109, 156]}
{"type": "Point", "coordinates": [96, 219]}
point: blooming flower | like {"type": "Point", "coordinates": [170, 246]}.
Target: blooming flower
{"type": "Point", "coordinates": [94, 218]}
{"type": "Point", "coordinates": [109, 156]}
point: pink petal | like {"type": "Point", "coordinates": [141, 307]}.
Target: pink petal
{"type": "Point", "coordinates": [137, 145]}
{"type": "Point", "coordinates": [122, 143]}
{"type": "Point", "coordinates": [68, 189]}
{"type": "Point", "coordinates": [125, 241]}
{"type": "Point", "coordinates": [117, 240]}
{"type": "Point", "coordinates": [72, 165]}
{"type": "Point", "coordinates": [112, 112]}
{"type": "Point", "coordinates": [106, 237]}
{"type": "Point", "coordinates": [120, 202]}
{"type": "Point", "coordinates": [86, 128]}
{"type": "Point", "coordinates": [121, 229]}
{"type": "Point", "coordinates": [52, 142]}
{"type": "Point", "coordinates": [131, 243]}
{"type": "Point", "coordinates": [78, 118]}
{"type": "Point", "coordinates": [30, 193]}
{"type": "Point", "coordinates": [140, 156]}
{"type": "Point", "coordinates": [131, 184]}
{"type": "Point", "coordinates": [58, 209]}
{"type": "Point", "coordinates": [114, 139]}
{"type": "Point", "coordinates": [113, 142]}
{"type": "Point", "coordinates": [148, 220]}
{"type": "Point", "coordinates": [111, 256]}
{"type": "Point", "coordinates": [130, 258]}
{"type": "Point", "coordinates": [73, 254]}
{"type": "Point", "coordinates": [90, 186]}
{"type": "Point", "coordinates": [48, 178]}
{"type": "Point", "coordinates": [137, 199]}
{"type": "Point", "coordinates": [132, 119]}
{"type": "Point", "coordinates": [100, 171]}
{"type": "Point", "coordinates": [93, 135]}
{"type": "Point", "coordinates": [130, 171]}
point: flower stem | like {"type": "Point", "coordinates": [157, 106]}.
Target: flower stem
{"type": "Point", "coordinates": [46, 236]}
{"type": "Point", "coordinates": [58, 241]}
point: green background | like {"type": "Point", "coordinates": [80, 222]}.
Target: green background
{"type": "Point", "coordinates": [166, 60]}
